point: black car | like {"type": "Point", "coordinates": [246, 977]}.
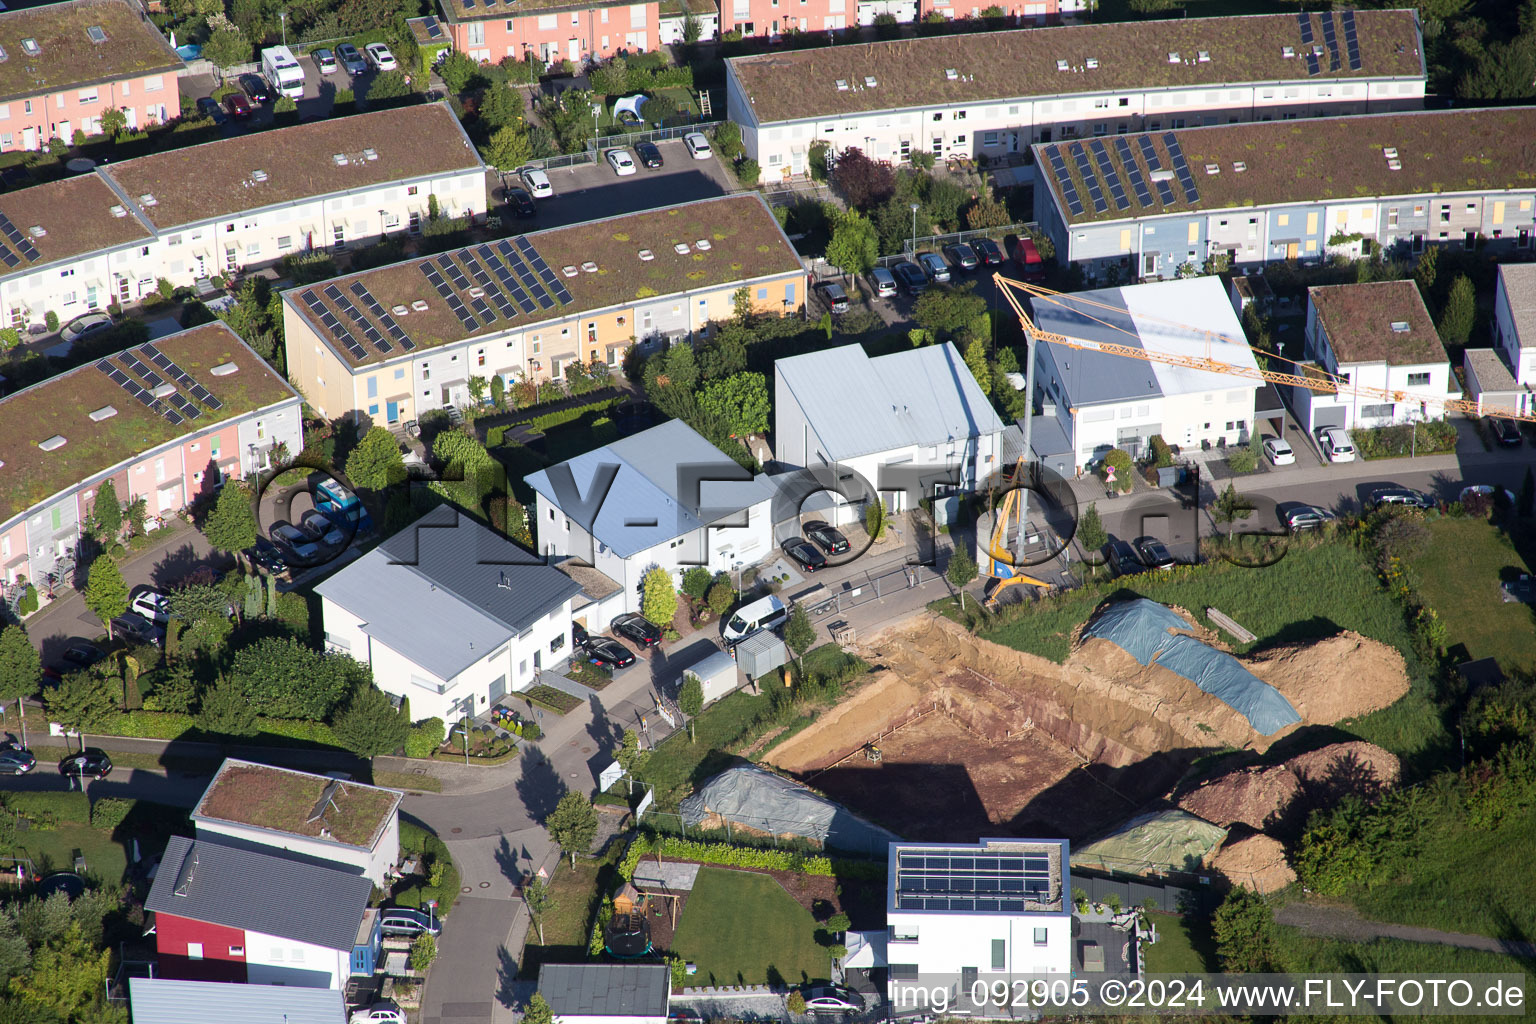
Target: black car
{"type": "Point", "coordinates": [831, 540]}
{"type": "Point", "coordinates": [639, 629]}
{"type": "Point", "coordinates": [209, 107]}
{"type": "Point", "coordinates": [136, 628]}
{"type": "Point", "coordinates": [962, 256]}
{"type": "Point", "coordinates": [911, 277]}
{"type": "Point", "coordinates": [988, 251]}
{"type": "Point", "coordinates": [267, 555]}
{"type": "Point", "coordinates": [1154, 553]}
{"type": "Point", "coordinates": [648, 154]}
{"type": "Point", "coordinates": [1503, 432]}
{"type": "Point", "coordinates": [1298, 515]}
{"type": "Point", "coordinates": [802, 552]}
{"type": "Point", "coordinates": [520, 203]}
{"type": "Point", "coordinates": [16, 760]}
{"type": "Point", "coordinates": [600, 650]}
{"type": "Point", "coordinates": [89, 762]}
{"type": "Point", "coordinates": [1400, 496]}
{"type": "Point", "coordinates": [1123, 558]}
{"type": "Point", "coordinates": [83, 655]}
{"type": "Point", "coordinates": [256, 88]}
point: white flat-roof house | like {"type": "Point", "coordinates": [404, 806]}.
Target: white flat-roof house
{"type": "Point", "coordinates": [1506, 375]}
{"type": "Point", "coordinates": [990, 95]}
{"type": "Point", "coordinates": [878, 416]}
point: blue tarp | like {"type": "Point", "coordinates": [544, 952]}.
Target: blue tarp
{"type": "Point", "coordinates": [1141, 627]}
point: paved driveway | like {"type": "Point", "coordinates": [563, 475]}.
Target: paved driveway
{"type": "Point", "coordinates": [594, 192]}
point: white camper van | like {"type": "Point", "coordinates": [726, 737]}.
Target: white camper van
{"type": "Point", "coordinates": [283, 72]}
{"type": "Point", "coordinates": [764, 613]}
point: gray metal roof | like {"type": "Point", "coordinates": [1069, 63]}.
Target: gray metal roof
{"type": "Point", "coordinates": [606, 990]}
{"type": "Point", "coordinates": [259, 892]}
{"type": "Point", "coordinates": [163, 1001]}
{"type": "Point", "coordinates": [446, 590]}
{"type": "Point", "coordinates": [857, 405]}
{"type": "Point", "coordinates": [1519, 283]}
{"type": "Point", "coordinates": [1089, 377]}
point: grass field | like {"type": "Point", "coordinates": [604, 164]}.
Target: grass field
{"type": "Point", "coordinates": [568, 923]}
{"type": "Point", "coordinates": [1184, 945]}
{"type": "Point", "coordinates": [742, 928]}
{"type": "Point", "coordinates": [676, 761]}
{"type": "Point", "coordinates": [105, 852]}
{"type": "Point", "coordinates": [1459, 575]}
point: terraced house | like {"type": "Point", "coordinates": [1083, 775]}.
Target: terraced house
{"type": "Point", "coordinates": [63, 65]}
{"type": "Point", "coordinates": [774, 18]}
{"type": "Point", "coordinates": [549, 30]}
{"type": "Point", "coordinates": [1143, 206]}
{"type": "Point", "coordinates": [166, 421]}
{"type": "Point", "coordinates": [991, 95]}
{"type": "Point", "coordinates": [389, 344]}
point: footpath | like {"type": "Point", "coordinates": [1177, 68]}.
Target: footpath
{"type": "Point", "coordinates": [1344, 923]}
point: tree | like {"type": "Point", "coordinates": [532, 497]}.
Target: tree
{"type": "Point", "coordinates": [976, 361]}
{"type": "Point", "coordinates": [21, 669]}
{"type": "Point", "coordinates": [538, 1011]}
{"type": "Point", "coordinates": [1151, 6]}
{"type": "Point", "coordinates": [1244, 929]}
{"type": "Point", "coordinates": [720, 597]}
{"type": "Point", "coordinates": [227, 47]}
{"type": "Point", "coordinates": [962, 568]}
{"type": "Point", "coordinates": [539, 901]}
{"type": "Point", "coordinates": [874, 520]}
{"type": "Point", "coordinates": [1090, 531]}
{"type": "Point", "coordinates": [610, 79]}
{"type": "Point", "coordinates": [1424, 273]}
{"type": "Point", "coordinates": [799, 632]}
{"type": "Point", "coordinates": [986, 212]}
{"type": "Point", "coordinates": [509, 148]}
{"type": "Point", "coordinates": [658, 602]}
{"type": "Point", "coordinates": [947, 311]}
{"type": "Point", "coordinates": [231, 526]}
{"type": "Point", "coordinates": [113, 121]}
{"type": "Point", "coordinates": [370, 725]}
{"type": "Point", "coordinates": [740, 401]}
{"type": "Point", "coordinates": [690, 699]}
{"type": "Point", "coordinates": [629, 755]}
{"type": "Point", "coordinates": [423, 953]}
{"type": "Point", "coordinates": [795, 1003]}
{"type": "Point", "coordinates": [82, 702]}
{"type": "Point", "coordinates": [691, 27]}
{"type": "Point", "coordinates": [376, 462]}
{"type": "Point", "coordinates": [67, 976]}
{"type": "Point", "coordinates": [501, 107]}
{"type": "Point", "coordinates": [572, 825]}
{"type": "Point", "coordinates": [283, 678]}
{"type": "Point", "coordinates": [855, 246]}
{"type": "Point", "coordinates": [728, 139]}
{"type": "Point", "coordinates": [106, 593]}
{"type": "Point", "coordinates": [696, 582]}
{"type": "Point", "coordinates": [1460, 312]}
{"type": "Point", "coordinates": [225, 711]}
{"type": "Point", "coordinates": [106, 514]}
{"type": "Point", "coordinates": [388, 85]}
{"type": "Point", "coordinates": [863, 183]}
{"type": "Point", "coordinates": [1230, 506]}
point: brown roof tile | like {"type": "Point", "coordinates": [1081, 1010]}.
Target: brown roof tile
{"type": "Point", "coordinates": [76, 216]}
{"type": "Point", "coordinates": [62, 406]}
{"type": "Point", "coordinates": [991, 66]}
{"type": "Point", "coordinates": [1358, 320]}
{"type": "Point", "coordinates": [215, 179]}
{"type": "Point", "coordinates": [67, 56]}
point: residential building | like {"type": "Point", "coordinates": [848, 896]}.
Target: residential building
{"type": "Point", "coordinates": [537, 304]}
{"type": "Point", "coordinates": [990, 95]}
{"type": "Point", "coordinates": [921, 407]}
{"type": "Point", "coordinates": [330, 821]}
{"type": "Point", "coordinates": [550, 30]}
{"type": "Point", "coordinates": [607, 993]}
{"type": "Point", "coordinates": [228, 207]}
{"type": "Point", "coordinates": [664, 497]}
{"type": "Point", "coordinates": [1506, 376]}
{"type": "Point", "coordinates": [63, 65]}
{"type": "Point", "coordinates": [1144, 206]}
{"type": "Point", "coordinates": [1380, 336]}
{"type": "Point", "coordinates": [450, 615]}
{"type": "Point", "coordinates": [1091, 402]}
{"type": "Point", "coordinates": [673, 15]}
{"type": "Point", "coordinates": [222, 913]}
{"type": "Point", "coordinates": [166, 422]}
{"type": "Point", "coordinates": [166, 1001]}
{"type": "Point", "coordinates": [967, 910]}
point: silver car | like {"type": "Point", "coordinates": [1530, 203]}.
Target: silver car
{"type": "Point", "coordinates": [934, 266]}
{"type": "Point", "coordinates": [885, 282]}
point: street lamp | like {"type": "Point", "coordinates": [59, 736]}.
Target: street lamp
{"type": "Point", "coordinates": [282, 16]}
{"type": "Point", "coordinates": [914, 229]}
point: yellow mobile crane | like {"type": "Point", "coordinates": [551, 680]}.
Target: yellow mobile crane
{"type": "Point", "coordinates": [1000, 560]}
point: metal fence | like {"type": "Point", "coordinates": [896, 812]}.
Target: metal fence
{"type": "Point", "coordinates": [614, 136]}
{"type": "Point", "coordinates": [934, 242]}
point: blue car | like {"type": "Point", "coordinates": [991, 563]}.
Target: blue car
{"type": "Point", "coordinates": [910, 275]}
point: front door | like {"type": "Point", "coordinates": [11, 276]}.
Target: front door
{"type": "Point", "coordinates": [392, 412]}
{"type": "Point", "coordinates": [1291, 250]}
{"type": "Point", "coordinates": [29, 138]}
{"type": "Point", "coordinates": [573, 48]}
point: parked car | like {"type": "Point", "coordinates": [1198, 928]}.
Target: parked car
{"type": "Point", "coordinates": [804, 554]}
{"type": "Point", "coordinates": [1503, 432]}
{"type": "Point", "coordinates": [1495, 495]}
{"type": "Point", "coordinates": [82, 654]}
{"type": "Point", "coordinates": [622, 163]}
{"type": "Point", "coordinates": [601, 650]}
{"type": "Point", "coordinates": [320, 527]}
{"type": "Point", "coordinates": [297, 543]}
{"type": "Point", "coordinates": [962, 257]}
{"type": "Point", "coordinates": [135, 628]}
{"type": "Point", "coordinates": [988, 251]}
{"type": "Point", "coordinates": [404, 921]}
{"type": "Point", "coordinates": [1335, 444]}
{"type": "Point", "coordinates": [1027, 256]}
{"type": "Point", "coordinates": [832, 999]}
{"type": "Point", "coordinates": [831, 539]}
{"type": "Point", "coordinates": [351, 60]}
{"type": "Point", "coordinates": [638, 629]}
{"type": "Point", "coordinates": [698, 146]}
{"type": "Point", "coordinates": [934, 267]}
{"type": "Point", "coordinates": [16, 760]}
{"type": "Point", "coordinates": [1154, 553]}
{"type": "Point", "coordinates": [1400, 496]}
{"type": "Point", "coordinates": [238, 105]}
{"type": "Point", "coordinates": [648, 154]}
{"type": "Point", "coordinates": [85, 325]}
{"type": "Point", "coordinates": [537, 182]}
{"type": "Point", "coordinates": [520, 203]}
{"type": "Point", "coordinates": [89, 762]}
{"type": "Point", "coordinates": [1297, 516]}
{"type": "Point", "coordinates": [256, 88]}
{"type": "Point", "coordinates": [380, 57]}
{"type": "Point", "coordinates": [913, 280]}
{"type": "Point", "coordinates": [153, 605]}
{"type": "Point", "coordinates": [1122, 557]}
{"type": "Point", "coordinates": [1278, 451]}
{"type": "Point", "coordinates": [267, 555]}
{"type": "Point", "coordinates": [834, 296]}
{"type": "Point", "coordinates": [884, 281]}
{"type": "Point", "coordinates": [325, 62]}
{"type": "Point", "coordinates": [378, 1013]}
{"type": "Point", "coordinates": [209, 107]}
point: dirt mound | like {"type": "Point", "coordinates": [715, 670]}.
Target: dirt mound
{"type": "Point", "coordinates": [1251, 796]}
{"type": "Point", "coordinates": [1257, 861]}
{"type": "Point", "coordinates": [1337, 678]}
{"type": "Point", "coordinates": [1357, 767]}
{"type": "Point", "coordinates": [878, 705]}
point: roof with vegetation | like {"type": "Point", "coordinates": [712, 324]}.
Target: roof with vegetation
{"type": "Point", "coordinates": [66, 54]}
{"type": "Point", "coordinates": [1313, 161]}
{"type": "Point", "coordinates": [676, 8]}
{"type": "Point", "coordinates": [1379, 321]}
{"type": "Point", "coordinates": [283, 800]}
{"type": "Point", "coordinates": [1518, 282]}
{"type": "Point", "coordinates": [62, 407]}
{"type": "Point", "coordinates": [490, 10]}
{"type": "Point", "coordinates": [600, 263]}
{"type": "Point", "coordinates": [977, 67]}
{"type": "Point", "coordinates": [67, 218]}
{"type": "Point", "coordinates": [285, 165]}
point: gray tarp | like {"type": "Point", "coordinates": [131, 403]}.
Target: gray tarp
{"type": "Point", "coordinates": [1142, 627]}
{"type": "Point", "coordinates": [1160, 841]}
{"type": "Point", "coordinates": [758, 799]}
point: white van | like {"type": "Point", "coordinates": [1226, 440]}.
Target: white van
{"type": "Point", "coordinates": [282, 72]}
{"type": "Point", "coordinates": [764, 613]}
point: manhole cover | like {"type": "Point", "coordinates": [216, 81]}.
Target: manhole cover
{"type": "Point", "coordinates": [419, 771]}
{"type": "Point", "coordinates": [455, 831]}
{"type": "Point", "coordinates": [485, 885]}
{"type": "Point", "coordinates": [466, 889]}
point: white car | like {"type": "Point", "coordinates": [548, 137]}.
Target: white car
{"type": "Point", "coordinates": [84, 326]}
{"type": "Point", "coordinates": [153, 605]}
{"type": "Point", "coordinates": [380, 57]}
{"type": "Point", "coordinates": [537, 183]}
{"type": "Point", "coordinates": [1335, 444]}
{"type": "Point", "coordinates": [379, 1013]}
{"type": "Point", "coordinates": [621, 162]}
{"type": "Point", "coordinates": [698, 146]}
{"type": "Point", "coordinates": [1278, 452]}
{"type": "Point", "coordinates": [1492, 493]}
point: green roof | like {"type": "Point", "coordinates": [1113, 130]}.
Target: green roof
{"type": "Point", "coordinates": [76, 216]}
{"type": "Point", "coordinates": [283, 800]}
{"type": "Point", "coordinates": [1359, 320]}
{"type": "Point", "coordinates": [66, 55]}
{"type": "Point", "coordinates": [491, 10]}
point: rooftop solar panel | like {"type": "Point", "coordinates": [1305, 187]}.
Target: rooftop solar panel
{"type": "Point", "coordinates": [181, 405]}
{"type": "Point", "coordinates": [976, 880]}
{"type": "Point", "coordinates": [457, 306]}
{"type": "Point", "coordinates": [364, 296]}
{"type": "Point", "coordinates": [19, 240]}
{"type": "Point", "coordinates": [1133, 172]}
{"type": "Point", "coordinates": [11, 259]}
{"type": "Point", "coordinates": [452, 272]}
{"type": "Point", "coordinates": [501, 302]}
{"type": "Point", "coordinates": [1305, 22]}
{"type": "Point", "coordinates": [551, 281]}
{"type": "Point", "coordinates": [1110, 175]}
{"type": "Point", "coordinates": [1313, 67]}
{"type": "Point", "coordinates": [1165, 193]}
{"type": "Point", "coordinates": [476, 271]}
{"type": "Point", "coordinates": [482, 309]}
{"type": "Point", "coordinates": [529, 278]}
{"type": "Point", "coordinates": [1351, 41]}
{"type": "Point", "coordinates": [1149, 154]}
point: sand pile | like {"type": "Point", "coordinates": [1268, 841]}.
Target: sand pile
{"type": "Point", "coordinates": [1251, 796]}
{"type": "Point", "coordinates": [1357, 767]}
{"type": "Point", "coordinates": [879, 704]}
{"type": "Point", "coordinates": [1256, 861]}
{"type": "Point", "coordinates": [1337, 678]}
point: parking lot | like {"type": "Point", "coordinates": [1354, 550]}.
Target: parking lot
{"type": "Point", "coordinates": [319, 93]}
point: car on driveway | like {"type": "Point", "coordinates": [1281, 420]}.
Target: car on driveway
{"type": "Point", "coordinates": [266, 555]}
{"type": "Point", "coordinates": [351, 60]}
{"type": "Point", "coordinates": [380, 57]}
{"type": "Point", "coordinates": [325, 62]}
{"type": "Point", "coordinates": [988, 251]}
{"type": "Point", "coordinates": [1335, 444]}
{"type": "Point", "coordinates": [82, 655]}
{"type": "Point", "coordinates": [1278, 451]}
{"type": "Point", "coordinates": [1297, 516]}
{"type": "Point", "coordinates": [962, 257]}
{"type": "Point", "coordinates": [934, 267]}
{"type": "Point", "coordinates": [832, 999]}
{"type": "Point", "coordinates": [256, 88]}
{"type": "Point", "coordinates": [1494, 494]}
{"type": "Point", "coordinates": [1400, 496]}
{"type": "Point", "coordinates": [295, 540]}
{"type": "Point", "coordinates": [378, 1013]}
{"type": "Point", "coordinates": [601, 650]}
{"type": "Point", "coordinates": [885, 282]}
{"type": "Point", "coordinates": [85, 325]}
{"type": "Point", "coordinates": [153, 605]}
{"type": "Point", "coordinates": [1502, 431]}
{"type": "Point", "coordinates": [238, 105]}
{"type": "Point", "coordinates": [320, 527]}
{"type": "Point", "coordinates": [833, 295]}
{"type": "Point", "coordinates": [698, 146]}
{"type": "Point", "coordinates": [913, 280]}
{"type": "Point", "coordinates": [637, 629]}
{"type": "Point", "coordinates": [830, 539]}
{"type": "Point", "coordinates": [520, 203]}
{"type": "Point", "coordinates": [405, 921]}
{"type": "Point", "coordinates": [648, 154]}
{"type": "Point", "coordinates": [90, 762]}
{"type": "Point", "coordinates": [1122, 557]}
{"type": "Point", "coordinates": [537, 182]}
{"type": "Point", "coordinates": [135, 628]}
{"type": "Point", "coordinates": [16, 760]}
{"type": "Point", "coordinates": [622, 163]}
{"type": "Point", "coordinates": [804, 554]}
{"type": "Point", "coordinates": [1155, 554]}
{"type": "Point", "coordinates": [209, 107]}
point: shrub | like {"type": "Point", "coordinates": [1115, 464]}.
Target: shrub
{"type": "Point", "coordinates": [1120, 461]}
{"type": "Point", "coordinates": [109, 812]}
{"type": "Point", "coordinates": [51, 320]}
{"type": "Point", "coordinates": [425, 738]}
{"type": "Point", "coordinates": [795, 1003]}
{"type": "Point", "coordinates": [1162, 455]}
{"type": "Point", "coordinates": [720, 597]}
{"type": "Point", "coordinates": [69, 808]}
{"type": "Point", "coordinates": [748, 172]}
{"type": "Point", "coordinates": [28, 603]}
{"type": "Point", "coordinates": [423, 953]}
{"type": "Point", "coordinates": [1243, 458]}
{"type": "Point", "coordinates": [696, 582]}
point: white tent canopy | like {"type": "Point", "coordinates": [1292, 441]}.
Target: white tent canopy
{"type": "Point", "coordinates": [865, 949]}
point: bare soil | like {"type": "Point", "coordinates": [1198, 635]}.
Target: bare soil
{"type": "Point", "coordinates": [1256, 861]}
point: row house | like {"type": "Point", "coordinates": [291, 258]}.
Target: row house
{"type": "Point", "coordinates": [775, 18]}
{"type": "Point", "coordinates": [1505, 375]}
{"type": "Point", "coordinates": [390, 344]}
{"type": "Point", "coordinates": [991, 95]}
{"type": "Point", "coordinates": [550, 30]}
{"type": "Point", "coordinates": [230, 206]}
{"type": "Point", "coordinates": [63, 65]}
{"type": "Point", "coordinates": [1150, 206]}
{"type": "Point", "coordinates": [167, 421]}
{"type": "Point", "coordinates": [672, 23]}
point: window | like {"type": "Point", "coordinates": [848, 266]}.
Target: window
{"type": "Point", "coordinates": [26, 106]}
{"type": "Point", "coordinates": [1418, 380]}
{"type": "Point", "coordinates": [479, 357]}
{"type": "Point", "coordinates": [237, 951]}
{"type": "Point", "coordinates": [762, 293]}
{"type": "Point", "coordinates": [194, 951]}
{"type": "Point", "coordinates": [999, 954]}
{"type": "Point", "coordinates": [400, 374]}
{"type": "Point", "coordinates": [904, 972]}
{"type": "Point", "coordinates": [153, 84]}
{"type": "Point", "coordinates": [391, 221]}
{"type": "Point", "coordinates": [252, 250]}
{"type": "Point", "coordinates": [410, 190]}
{"type": "Point", "coordinates": [414, 224]}
{"type": "Point", "coordinates": [339, 236]}
{"type": "Point", "coordinates": [87, 95]}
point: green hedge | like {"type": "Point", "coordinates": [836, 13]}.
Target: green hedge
{"type": "Point", "coordinates": [70, 808]}
{"type": "Point", "coordinates": [563, 416]}
{"type": "Point", "coordinates": [165, 725]}
{"type": "Point", "coordinates": [416, 840]}
{"type": "Point", "coordinates": [723, 854]}
{"type": "Point", "coordinates": [109, 812]}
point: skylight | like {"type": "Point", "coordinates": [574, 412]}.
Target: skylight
{"type": "Point", "coordinates": [52, 444]}
{"type": "Point", "coordinates": [96, 34]}
{"type": "Point", "coordinates": [30, 46]}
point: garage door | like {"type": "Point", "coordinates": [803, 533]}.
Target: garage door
{"type": "Point", "coordinates": [1333, 417]}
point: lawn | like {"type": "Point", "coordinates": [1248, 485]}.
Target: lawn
{"type": "Point", "coordinates": [549, 698]}
{"type": "Point", "coordinates": [742, 928]}
{"type": "Point", "coordinates": [568, 924]}
{"type": "Point", "coordinates": [1184, 945]}
{"type": "Point", "coordinates": [105, 852]}
{"type": "Point", "coordinates": [676, 762]}
{"type": "Point", "coordinates": [1459, 574]}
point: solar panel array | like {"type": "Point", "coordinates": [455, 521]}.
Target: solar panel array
{"type": "Point", "coordinates": [525, 274]}
{"type": "Point", "coordinates": [139, 392]}
{"type": "Point", "coordinates": [508, 281]}
{"type": "Point", "coordinates": [1331, 40]}
{"type": "Point", "coordinates": [181, 377]}
{"type": "Point", "coordinates": [391, 328]}
{"type": "Point", "coordinates": [1068, 190]}
{"type": "Point", "coordinates": [1095, 193]}
{"type": "Point", "coordinates": [1133, 171]}
{"type": "Point", "coordinates": [1164, 190]}
{"type": "Point", "coordinates": [1181, 167]}
{"type": "Point", "coordinates": [351, 312]}
{"type": "Point", "coordinates": [1352, 41]}
{"type": "Point", "coordinates": [972, 880]}
{"type": "Point", "coordinates": [532, 256]}
{"type": "Point", "coordinates": [328, 320]}
{"type": "Point", "coordinates": [12, 261]}
{"type": "Point", "coordinates": [1110, 175]}
{"type": "Point", "coordinates": [21, 242]}
{"type": "Point", "coordinates": [1305, 21]}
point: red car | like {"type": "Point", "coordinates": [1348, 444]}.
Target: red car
{"type": "Point", "coordinates": [237, 105]}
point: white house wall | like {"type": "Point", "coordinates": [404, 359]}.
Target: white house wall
{"type": "Point", "coordinates": [1506, 338]}
{"type": "Point", "coordinates": [946, 944]}
{"type": "Point", "coordinates": [270, 960]}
